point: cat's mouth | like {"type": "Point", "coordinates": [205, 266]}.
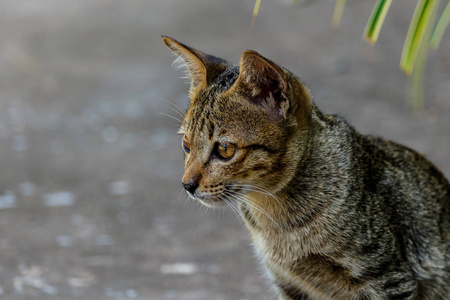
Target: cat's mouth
{"type": "Point", "coordinates": [215, 198]}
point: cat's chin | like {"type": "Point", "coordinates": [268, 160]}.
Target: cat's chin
{"type": "Point", "coordinates": [211, 202]}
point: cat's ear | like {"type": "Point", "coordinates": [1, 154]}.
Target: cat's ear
{"type": "Point", "coordinates": [201, 68]}
{"type": "Point", "coordinates": [266, 83]}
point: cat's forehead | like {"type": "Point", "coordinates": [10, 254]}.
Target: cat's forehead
{"type": "Point", "coordinates": [219, 116]}
{"type": "Point", "coordinates": [208, 104]}
{"type": "Point", "coordinates": [214, 111]}
{"type": "Point", "coordinates": [226, 79]}
{"type": "Point", "coordinates": [202, 115]}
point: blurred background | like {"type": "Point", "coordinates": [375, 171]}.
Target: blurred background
{"type": "Point", "coordinates": [91, 205]}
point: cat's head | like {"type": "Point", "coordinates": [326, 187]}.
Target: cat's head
{"type": "Point", "coordinates": [242, 131]}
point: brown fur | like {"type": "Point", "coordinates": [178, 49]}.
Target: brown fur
{"type": "Point", "coordinates": [333, 214]}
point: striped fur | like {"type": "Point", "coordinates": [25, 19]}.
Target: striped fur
{"type": "Point", "coordinates": [332, 214]}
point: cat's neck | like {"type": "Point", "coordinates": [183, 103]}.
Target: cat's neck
{"type": "Point", "coordinates": [314, 191]}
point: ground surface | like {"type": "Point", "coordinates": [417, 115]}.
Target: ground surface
{"type": "Point", "coordinates": [91, 205]}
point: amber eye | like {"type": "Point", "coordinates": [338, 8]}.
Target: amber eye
{"type": "Point", "coordinates": [186, 146]}
{"type": "Point", "coordinates": [225, 150]}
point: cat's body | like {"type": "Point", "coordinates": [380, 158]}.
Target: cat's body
{"type": "Point", "coordinates": [353, 234]}
{"type": "Point", "coordinates": [333, 214]}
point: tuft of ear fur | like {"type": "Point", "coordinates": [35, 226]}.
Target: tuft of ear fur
{"type": "Point", "coordinates": [189, 60]}
{"type": "Point", "coordinates": [201, 68]}
{"type": "Point", "coordinates": [266, 82]}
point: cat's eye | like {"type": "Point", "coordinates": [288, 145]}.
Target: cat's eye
{"type": "Point", "coordinates": [225, 150]}
{"type": "Point", "coordinates": [186, 146]}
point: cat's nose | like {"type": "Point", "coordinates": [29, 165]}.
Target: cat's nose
{"type": "Point", "coordinates": [191, 186]}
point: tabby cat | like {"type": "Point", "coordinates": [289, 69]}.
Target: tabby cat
{"type": "Point", "coordinates": [333, 214]}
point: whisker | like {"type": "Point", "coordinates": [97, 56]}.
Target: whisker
{"type": "Point", "coordinates": [262, 211]}
{"type": "Point", "coordinates": [219, 212]}
{"type": "Point", "coordinates": [181, 194]}
{"type": "Point", "coordinates": [241, 198]}
{"type": "Point", "coordinates": [255, 188]}
{"type": "Point", "coordinates": [170, 116]}
{"type": "Point", "coordinates": [201, 208]}
{"type": "Point", "coordinates": [186, 199]}
{"type": "Point", "coordinates": [175, 108]}
{"type": "Point", "coordinates": [206, 209]}
{"type": "Point", "coordinates": [235, 209]}
{"type": "Point", "coordinates": [177, 112]}
{"type": "Point", "coordinates": [229, 202]}
{"type": "Point", "coordinates": [258, 188]}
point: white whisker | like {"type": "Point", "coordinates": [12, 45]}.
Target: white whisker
{"type": "Point", "coordinates": [241, 198]}
{"type": "Point", "coordinates": [175, 108]}
{"type": "Point", "coordinates": [207, 209]}
{"type": "Point", "coordinates": [219, 212]}
{"type": "Point", "coordinates": [170, 116]}
{"type": "Point", "coordinates": [259, 189]}
{"type": "Point", "coordinates": [186, 199]}
{"type": "Point", "coordinates": [229, 202]}
{"type": "Point", "coordinates": [177, 112]}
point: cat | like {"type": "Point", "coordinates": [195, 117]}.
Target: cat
{"type": "Point", "coordinates": [333, 214]}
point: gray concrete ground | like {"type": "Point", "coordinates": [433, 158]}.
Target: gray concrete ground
{"type": "Point", "coordinates": [91, 205]}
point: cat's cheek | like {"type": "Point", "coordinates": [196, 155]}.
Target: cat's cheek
{"type": "Point", "coordinates": [186, 159]}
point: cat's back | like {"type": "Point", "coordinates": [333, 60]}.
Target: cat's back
{"type": "Point", "coordinates": [417, 195]}
{"type": "Point", "coordinates": [407, 169]}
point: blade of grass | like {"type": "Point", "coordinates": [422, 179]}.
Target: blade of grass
{"type": "Point", "coordinates": [417, 80]}
{"type": "Point", "coordinates": [441, 25]}
{"type": "Point", "coordinates": [418, 73]}
{"type": "Point", "coordinates": [421, 21]}
{"type": "Point", "coordinates": [376, 20]}
{"type": "Point", "coordinates": [337, 14]}
{"type": "Point", "coordinates": [255, 12]}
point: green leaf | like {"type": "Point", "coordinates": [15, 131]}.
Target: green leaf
{"type": "Point", "coordinates": [420, 25]}
{"type": "Point", "coordinates": [337, 14]}
{"type": "Point", "coordinates": [441, 25]}
{"type": "Point", "coordinates": [255, 12]}
{"type": "Point", "coordinates": [417, 80]}
{"type": "Point", "coordinates": [376, 20]}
